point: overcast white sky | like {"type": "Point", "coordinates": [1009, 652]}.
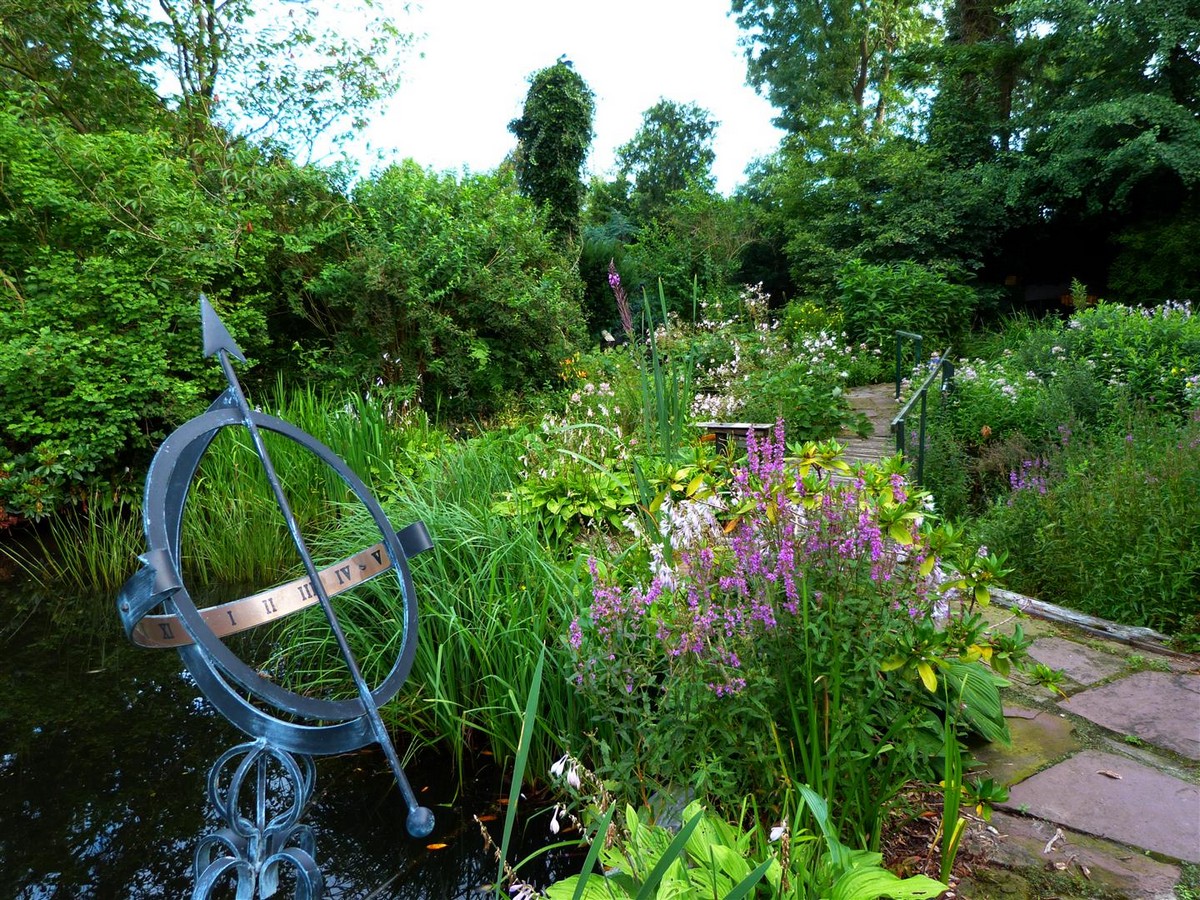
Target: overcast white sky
{"type": "Point", "coordinates": [455, 103]}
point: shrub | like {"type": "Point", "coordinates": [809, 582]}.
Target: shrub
{"type": "Point", "coordinates": [1109, 526]}
{"type": "Point", "coordinates": [456, 291]}
{"type": "Point", "coordinates": [878, 300]}
{"type": "Point", "coordinates": [99, 324]}
{"type": "Point", "coordinates": [1052, 382]}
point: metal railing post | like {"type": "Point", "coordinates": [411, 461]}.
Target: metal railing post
{"type": "Point", "coordinates": [945, 368]}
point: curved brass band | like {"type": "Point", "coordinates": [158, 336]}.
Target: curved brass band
{"type": "Point", "coordinates": [265, 606]}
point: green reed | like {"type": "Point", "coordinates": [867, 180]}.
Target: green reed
{"type": "Point", "coordinates": [490, 598]}
{"type": "Point", "coordinates": [233, 530]}
{"type": "Point", "coordinates": [87, 549]}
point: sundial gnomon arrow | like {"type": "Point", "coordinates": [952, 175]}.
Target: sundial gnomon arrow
{"type": "Point", "coordinates": [224, 678]}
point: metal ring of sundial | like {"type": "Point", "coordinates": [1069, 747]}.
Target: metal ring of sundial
{"type": "Point", "coordinates": [208, 660]}
{"type": "Point", "coordinates": [220, 674]}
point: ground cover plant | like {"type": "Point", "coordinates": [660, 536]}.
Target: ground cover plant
{"type": "Point", "coordinates": [1073, 445]}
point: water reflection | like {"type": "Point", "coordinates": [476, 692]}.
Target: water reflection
{"type": "Point", "coordinates": [104, 752]}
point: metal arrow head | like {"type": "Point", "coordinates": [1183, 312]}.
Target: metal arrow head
{"type": "Point", "coordinates": [216, 335]}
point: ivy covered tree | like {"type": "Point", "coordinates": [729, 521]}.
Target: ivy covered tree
{"type": "Point", "coordinates": [554, 134]}
{"type": "Point", "coordinates": [971, 116]}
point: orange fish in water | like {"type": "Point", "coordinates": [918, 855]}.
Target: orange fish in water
{"type": "Point", "coordinates": [435, 846]}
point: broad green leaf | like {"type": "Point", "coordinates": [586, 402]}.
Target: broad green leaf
{"type": "Point", "coordinates": [873, 883]}
{"type": "Point", "coordinates": [928, 677]}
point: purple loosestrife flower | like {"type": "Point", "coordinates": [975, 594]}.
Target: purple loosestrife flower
{"type": "Point", "coordinates": [614, 282]}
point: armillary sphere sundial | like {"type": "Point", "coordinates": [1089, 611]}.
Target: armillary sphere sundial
{"type": "Point", "coordinates": [286, 728]}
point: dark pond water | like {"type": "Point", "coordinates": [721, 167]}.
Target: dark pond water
{"type": "Point", "coordinates": [104, 753]}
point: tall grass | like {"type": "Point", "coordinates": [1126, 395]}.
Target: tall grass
{"type": "Point", "coordinates": [87, 549]}
{"type": "Point", "coordinates": [233, 531]}
{"type": "Point", "coordinates": [490, 598]}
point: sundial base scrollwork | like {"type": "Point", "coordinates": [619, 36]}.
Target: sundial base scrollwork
{"type": "Point", "coordinates": [259, 841]}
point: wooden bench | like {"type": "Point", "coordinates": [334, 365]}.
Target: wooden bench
{"type": "Point", "coordinates": [725, 432]}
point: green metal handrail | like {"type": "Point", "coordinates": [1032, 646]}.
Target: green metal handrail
{"type": "Point", "coordinates": [940, 364]}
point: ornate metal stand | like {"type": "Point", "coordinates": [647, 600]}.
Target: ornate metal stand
{"type": "Point", "coordinates": [254, 848]}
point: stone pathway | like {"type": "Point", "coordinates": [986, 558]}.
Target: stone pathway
{"type": "Point", "coordinates": [1104, 782]}
{"type": "Point", "coordinates": [878, 403]}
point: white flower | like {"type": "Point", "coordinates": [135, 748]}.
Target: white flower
{"type": "Point", "coordinates": [778, 831]}
{"type": "Point", "coordinates": [554, 820]}
{"type": "Point", "coordinates": [557, 769]}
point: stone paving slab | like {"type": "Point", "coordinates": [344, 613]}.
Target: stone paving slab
{"type": "Point", "coordinates": [1038, 738]}
{"type": "Point", "coordinates": [1143, 808]}
{"type": "Point", "coordinates": [1082, 664]}
{"type": "Point", "coordinates": [878, 403]}
{"type": "Point", "coordinates": [1022, 842]}
{"type": "Point", "coordinates": [1161, 708]}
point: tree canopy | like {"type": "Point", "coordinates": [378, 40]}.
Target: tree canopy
{"type": "Point", "coordinates": [671, 151]}
{"type": "Point", "coordinates": [1023, 143]}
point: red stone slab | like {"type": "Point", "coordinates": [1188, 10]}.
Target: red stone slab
{"type": "Point", "coordinates": [1161, 708]}
{"type": "Point", "coordinates": [1079, 663]}
{"type": "Point", "coordinates": [1022, 842]}
{"type": "Point", "coordinates": [1142, 808]}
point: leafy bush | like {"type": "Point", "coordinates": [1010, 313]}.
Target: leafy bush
{"type": "Point", "coordinates": [1109, 526]}
{"type": "Point", "coordinates": [878, 300]}
{"type": "Point", "coordinates": [750, 634]}
{"type": "Point", "coordinates": [105, 242]}
{"type": "Point", "coordinates": [710, 858]}
{"type": "Point", "coordinates": [1053, 381]}
{"type": "Point", "coordinates": [695, 245]}
{"type": "Point", "coordinates": [455, 291]}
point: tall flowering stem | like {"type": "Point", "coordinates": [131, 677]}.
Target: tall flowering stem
{"type": "Point", "coordinates": [614, 282]}
{"type": "Point", "coordinates": [787, 580]}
